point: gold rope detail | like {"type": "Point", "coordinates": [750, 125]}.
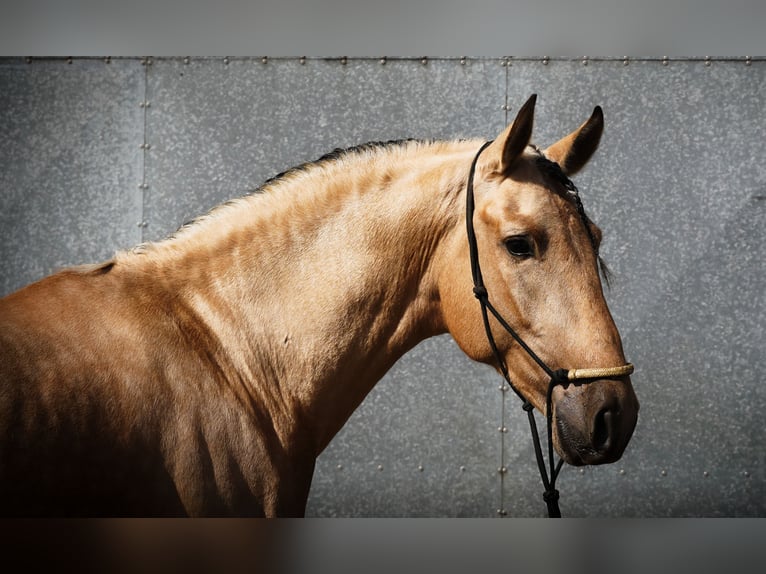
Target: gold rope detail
{"type": "Point", "coordinates": [624, 371]}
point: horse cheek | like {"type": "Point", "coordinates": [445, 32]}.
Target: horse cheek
{"type": "Point", "coordinates": [461, 313]}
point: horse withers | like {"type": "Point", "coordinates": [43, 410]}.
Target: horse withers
{"type": "Point", "coordinates": [204, 373]}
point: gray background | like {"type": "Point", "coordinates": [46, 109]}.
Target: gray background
{"type": "Point", "coordinates": [679, 187]}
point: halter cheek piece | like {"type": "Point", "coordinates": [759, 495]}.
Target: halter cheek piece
{"type": "Point", "coordinates": [557, 377]}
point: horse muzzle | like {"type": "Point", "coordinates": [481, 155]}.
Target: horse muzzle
{"type": "Point", "coordinates": [593, 422]}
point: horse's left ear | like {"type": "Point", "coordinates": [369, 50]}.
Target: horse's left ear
{"type": "Point", "coordinates": [574, 151]}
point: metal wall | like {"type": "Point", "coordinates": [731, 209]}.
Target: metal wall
{"type": "Point", "coordinates": [97, 155]}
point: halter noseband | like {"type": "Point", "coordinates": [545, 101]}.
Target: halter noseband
{"type": "Point", "coordinates": [557, 377]}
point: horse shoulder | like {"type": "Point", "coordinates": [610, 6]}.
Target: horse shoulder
{"type": "Point", "coordinates": [109, 362]}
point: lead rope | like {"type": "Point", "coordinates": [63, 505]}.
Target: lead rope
{"type": "Point", "coordinates": [557, 377]}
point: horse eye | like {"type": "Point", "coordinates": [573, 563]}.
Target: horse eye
{"type": "Point", "coordinates": [520, 246]}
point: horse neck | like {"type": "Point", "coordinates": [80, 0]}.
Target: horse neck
{"type": "Point", "coordinates": [320, 283]}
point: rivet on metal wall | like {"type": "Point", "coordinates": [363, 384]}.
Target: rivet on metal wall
{"type": "Point", "coordinates": [748, 61]}
{"type": "Point", "coordinates": [420, 468]}
{"type": "Point", "coordinates": [705, 474]}
{"type": "Point", "coordinates": [28, 59]}
{"type": "Point", "coordinates": [582, 471]}
{"type": "Point", "coordinates": [303, 60]}
{"type": "Point", "coordinates": [187, 60]}
{"type": "Point", "coordinates": [663, 472]}
{"type": "Point", "coordinates": [664, 60]}
{"type": "Point", "coordinates": [502, 512]}
{"type": "Point", "coordinates": [708, 61]}
{"type": "Point", "coordinates": [339, 467]}
{"type": "Point", "coordinates": [226, 61]}
{"type": "Point", "coordinates": [265, 60]}
{"type": "Point", "coordinates": [503, 388]}
{"type": "Point", "coordinates": [746, 474]}
{"type": "Point", "coordinates": [344, 60]}
{"type": "Point", "coordinates": [108, 60]}
{"type": "Point", "coordinates": [625, 61]}
{"type": "Point", "coordinates": [502, 470]}
{"type": "Point", "coordinates": [142, 224]}
{"type": "Point", "coordinates": [424, 60]}
{"type": "Point", "coordinates": [69, 60]}
{"type": "Point", "coordinates": [383, 61]}
{"type": "Point", "coordinates": [546, 59]}
{"type": "Point", "coordinates": [622, 472]}
{"type": "Point", "coordinates": [502, 429]}
{"type": "Point", "coordinates": [585, 60]}
{"type": "Point", "coordinates": [462, 61]}
{"type": "Point", "coordinates": [380, 467]}
{"type": "Point", "coordinates": [462, 469]}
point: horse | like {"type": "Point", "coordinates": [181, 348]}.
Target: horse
{"type": "Point", "coordinates": [204, 373]}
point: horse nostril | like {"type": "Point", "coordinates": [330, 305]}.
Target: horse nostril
{"type": "Point", "coordinates": [602, 426]}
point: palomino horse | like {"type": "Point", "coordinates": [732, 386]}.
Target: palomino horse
{"type": "Point", "coordinates": [203, 374]}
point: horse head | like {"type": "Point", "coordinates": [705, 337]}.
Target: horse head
{"type": "Point", "coordinates": [538, 255]}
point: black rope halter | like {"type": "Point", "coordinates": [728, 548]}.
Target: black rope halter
{"type": "Point", "coordinates": [548, 473]}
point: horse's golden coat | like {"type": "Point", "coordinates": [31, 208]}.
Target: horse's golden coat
{"type": "Point", "coordinates": [203, 374]}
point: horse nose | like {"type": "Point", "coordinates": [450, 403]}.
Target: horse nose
{"type": "Point", "coordinates": [594, 422]}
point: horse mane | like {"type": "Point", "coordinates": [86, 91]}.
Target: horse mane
{"type": "Point", "coordinates": [334, 156]}
{"type": "Point", "coordinates": [330, 157]}
{"type": "Point", "coordinates": [339, 154]}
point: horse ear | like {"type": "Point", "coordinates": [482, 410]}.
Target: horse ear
{"type": "Point", "coordinates": [574, 151]}
{"type": "Point", "coordinates": [509, 145]}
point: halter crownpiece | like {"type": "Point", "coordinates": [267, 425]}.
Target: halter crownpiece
{"type": "Point", "coordinates": [557, 377]}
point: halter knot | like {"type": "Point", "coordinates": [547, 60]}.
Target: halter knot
{"type": "Point", "coordinates": [551, 495]}
{"type": "Point", "coordinates": [560, 377]}
{"type": "Point", "coordinates": [480, 292]}
{"type": "Point", "coordinates": [527, 406]}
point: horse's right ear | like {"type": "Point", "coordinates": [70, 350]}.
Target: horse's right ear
{"type": "Point", "coordinates": [574, 151]}
{"type": "Point", "coordinates": [509, 145]}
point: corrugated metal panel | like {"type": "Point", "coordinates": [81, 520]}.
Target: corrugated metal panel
{"type": "Point", "coordinates": [678, 187]}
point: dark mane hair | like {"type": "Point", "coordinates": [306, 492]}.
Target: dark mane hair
{"type": "Point", "coordinates": [334, 155]}
{"type": "Point", "coordinates": [553, 170]}
{"type": "Point", "coordinates": [339, 153]}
